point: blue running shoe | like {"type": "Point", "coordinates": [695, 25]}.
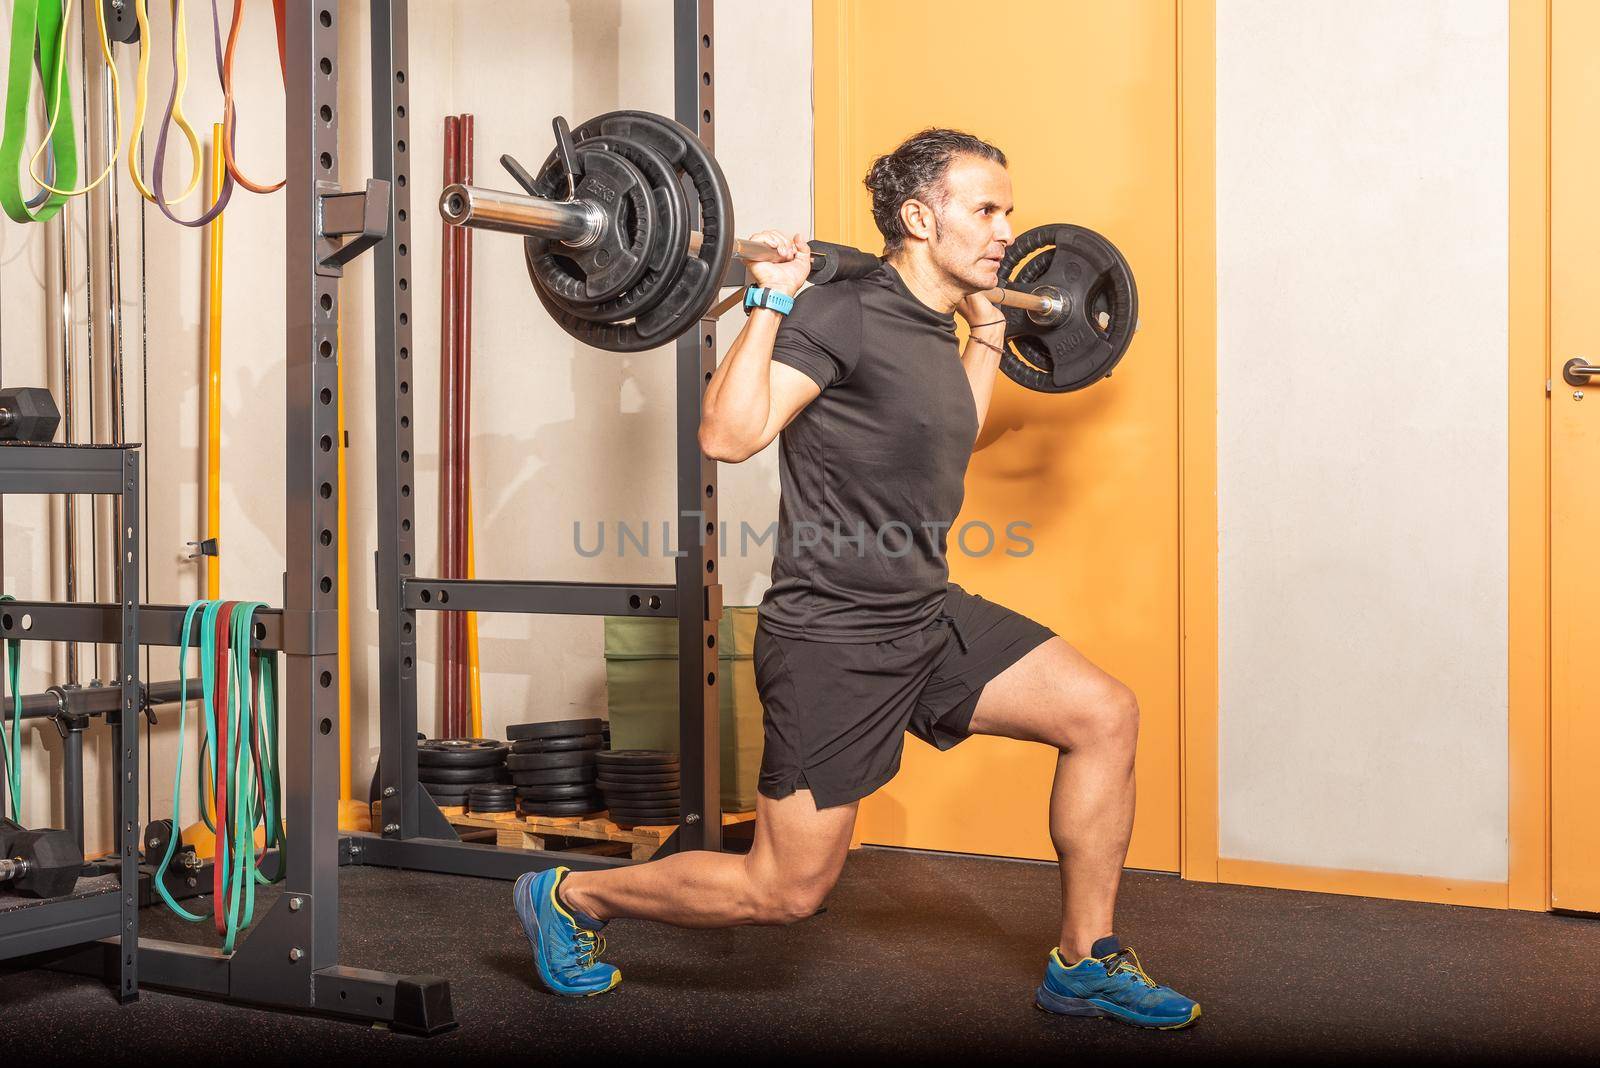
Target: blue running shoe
{"type": "Point", "coordinates": [564, 950]}
{"type": "Point", "coordinates": [1110, 982]}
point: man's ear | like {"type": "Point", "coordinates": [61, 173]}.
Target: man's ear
{"type": "Point", "coordinates": [918, 219]}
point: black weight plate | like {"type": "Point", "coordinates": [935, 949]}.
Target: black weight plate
{"type": "Point", "coordinates": [616, 257]}
{"type": "Point", "coordinates": [457, 775]}
{"type": "Point", "coordinates": [460, 753]}
{"type": "Point", "coordinates": [669, 246]}
{"type": "Point", "coordinates": [1094, 333]}
{"type": "Point", "coordinates": [558, 728]}
{"type": "Point", "coordinates": [559, 745]}
{"type": "Point", "coordinates": [655, 782]}
{"type": "Point", "coordinates": [550, 776]}
{"type": "Point", "coordinates": [633, 819]}
{"type": "Point", "coordinates": [449, 800]}
{"type": "Point", "coordinates": [635, 758]}
{"type": "Point", "coordinates": [560, 791]}
{"type": "Point", "coordinates": [493, 790]}
{"type": "Point", "coordinates": [561, 808]}
{"type": "Point", "coordinates": [695, 289]}
{"type": "Point", "coordinates": [489, 808]}
{"type": "Point", "coordinates": [588, 802]}
{"type": "Point", "coordinates": [628, 796]}
{"type": "Point", "coordinates": [578, 758]}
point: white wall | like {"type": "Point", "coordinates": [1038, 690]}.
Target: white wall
{"type": "Point", "coordinates": [1362, 338]}
{"type": "Point", "coordinates": [561, 433]}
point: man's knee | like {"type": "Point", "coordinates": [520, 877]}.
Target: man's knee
{"type": "Point", "coordinates": [1110, 718]}
{"type": "Point", "coordinates": [789, 902]}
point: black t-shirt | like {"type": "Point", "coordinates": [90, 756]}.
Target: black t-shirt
{"type": "Point", "coordinates": [871, 471]}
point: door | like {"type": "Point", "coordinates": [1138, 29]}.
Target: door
{"type": "Point", "coordinates": [1574, 456]}
{"type": "Point", "coordinates": [1082, 98]}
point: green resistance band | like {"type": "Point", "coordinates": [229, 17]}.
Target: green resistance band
{"type": "Point", "coordinates": [35, 25]}
{"type": "Point", "coordinates": [12, 742]}
{"type": "Point", "coordinates": [250, 761]}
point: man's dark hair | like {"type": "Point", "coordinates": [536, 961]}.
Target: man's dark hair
{"type": "Point", "coordinates": [915, 171]}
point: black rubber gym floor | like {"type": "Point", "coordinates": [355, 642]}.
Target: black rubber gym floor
{"type": "Point", "coordinates": [932, 957]}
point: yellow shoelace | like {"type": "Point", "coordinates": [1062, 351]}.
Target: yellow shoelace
{"type": "Point", "coordinates": [590, 946]}
{"type": "Point", "coordinates": [1126, 960]}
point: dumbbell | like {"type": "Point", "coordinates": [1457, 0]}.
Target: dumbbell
{"type": "Point", "coordinates": [28, 413]}
{"type": "Point", "coordinates": [42, 863]}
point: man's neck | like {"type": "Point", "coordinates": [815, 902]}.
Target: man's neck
{"type": "Point", "coordinates": [927, 283]}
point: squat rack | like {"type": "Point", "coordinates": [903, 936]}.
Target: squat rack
{"type": "Point", "coordinates": [289, 959]}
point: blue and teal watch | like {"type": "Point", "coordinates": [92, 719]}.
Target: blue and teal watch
{"type": "Point", "coordinates": [772, 300]}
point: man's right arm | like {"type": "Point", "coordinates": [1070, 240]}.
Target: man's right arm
{"type": "Point", "coordinates": [750, 397]}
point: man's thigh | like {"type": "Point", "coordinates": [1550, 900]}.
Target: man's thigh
{"type": "Point", "coordinates": [797, 844]}
{"type": "Point", "coordinates": [1054, 694]}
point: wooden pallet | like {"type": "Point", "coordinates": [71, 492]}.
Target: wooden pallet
{"type": "Point", "coordinates": [605, 837]}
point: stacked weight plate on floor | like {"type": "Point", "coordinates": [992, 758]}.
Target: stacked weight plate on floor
{"type": "Point", "coordinates": [552, 766]}
{"type": "Point", "coordinates": [639, 785]}
{"type": "Point", "coordinates": [449, 768]}
{"type": "Point", "coordinates": [490, 799]}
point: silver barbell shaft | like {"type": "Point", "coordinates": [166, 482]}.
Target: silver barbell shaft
{"type": "Point", "coordinates": [578, 222]}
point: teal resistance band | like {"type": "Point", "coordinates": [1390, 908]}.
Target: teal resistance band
{"type": "Point", "coordinates": [249, 762]}
{"type": "Point", "coordinates": [13, 741]}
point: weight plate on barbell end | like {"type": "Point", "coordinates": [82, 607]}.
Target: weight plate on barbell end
{"type": "Point", "coordinates": [460, 753]}
{"type": "Point", "coordinates": [619, 254]}
{"type": "Point", "coordinates": [695, 289]}
{"type": "Point", "coordinates": [1075, 350]}
{"type": "Point", "coordinates": [668, 245]}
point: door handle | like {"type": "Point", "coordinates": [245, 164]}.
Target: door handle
{"type": "Point", "coordinates": [1576, 372]}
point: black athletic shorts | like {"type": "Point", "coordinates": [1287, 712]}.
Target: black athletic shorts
{"type": "Point", "coordinates": [835, 713]}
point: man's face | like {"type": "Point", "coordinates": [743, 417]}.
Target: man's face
{"type": "Point", "coordinates": [973, 225]}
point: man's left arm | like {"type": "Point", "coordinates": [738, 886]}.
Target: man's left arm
{"type": "Point", "coordinates": [986, 340]}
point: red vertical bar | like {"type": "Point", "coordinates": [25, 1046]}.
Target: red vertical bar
{"type": "Point", "coordinates": [463, 420]}
{"type": "Point", "coordinates": [448, 387]}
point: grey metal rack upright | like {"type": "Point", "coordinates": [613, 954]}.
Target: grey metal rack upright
{"type": "Point", "coordinates": [106, 911]}
{"type": "Point", "coordinates": [413, 833]}
{"type": "Point", "coordinates": [289, 959]}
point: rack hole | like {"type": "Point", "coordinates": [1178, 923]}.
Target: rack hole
{"type": "Point", "coordinates": [326, 584]}
{"type": "Point", "coordinates": [325, 302]}
{"type": "Point", "coordinates": [326, 66]}
{"type": "Point", "coordinates": [325, 490]}
{"type": "Point", "coordinates": [325, 444]}
{"type": "Point", "coordinates": [27, 622]}
{"type": "Point", "coordinates": [325, 18]}
{"type": "Point", "coordinates": [326, 726]}
{"type": "Point", "coordinates": [326, 348]}
{"type": "Point", "coordinates": [633, 602]}
{"type": "Point", "coordinates": [444, 596]}
{"type": "Point", "coordinates": [326, 537]}
{"type": "Point", "coordinates": [326, 396]}
{"type": "Point", "coordinates": [326, 159]}
{"type": "Point", "coordinates": [326, 112]}
{"type": "Point", "coordinates": [325, 679]}
{"type": "Point", "coordinates": [427, 598]}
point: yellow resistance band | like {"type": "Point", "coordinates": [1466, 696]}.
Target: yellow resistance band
{"type": "Point", "coordinates": [55, 104]}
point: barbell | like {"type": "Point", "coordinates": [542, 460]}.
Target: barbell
{"type": "Point", "coordinates": [609, 241]}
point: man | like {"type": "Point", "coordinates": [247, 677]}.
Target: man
{"type": "Point", "coordinates": [862, 636]}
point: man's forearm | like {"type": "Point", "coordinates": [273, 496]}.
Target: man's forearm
{"type": "Point", "coordinates": [981, 363]}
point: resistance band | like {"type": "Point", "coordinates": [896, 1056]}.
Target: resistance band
{"type": "Point", "coordinates": [239, 698]}
{"type": "Point", "coordinates": [36, 31]}
{"type": "Point", "coordinates": [156, 193]}
{"type": "Point", "coordinates": [55, 108]}
{"type": "Point", "coordinates": [229, 113]}
{"type": "Point", "coordinates": [12, 742]}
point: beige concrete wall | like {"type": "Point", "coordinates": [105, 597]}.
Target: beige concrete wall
{"type": "Point", "coordinates": [562, 434]}
{"type": "Point", "coordinates": [1362, 463]}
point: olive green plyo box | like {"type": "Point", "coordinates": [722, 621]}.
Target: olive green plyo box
{"type": "Point", "coordinates": [642, 694]}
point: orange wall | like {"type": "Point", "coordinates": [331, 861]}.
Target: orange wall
{"type": "Point", "coordinates": [1095, 473]}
